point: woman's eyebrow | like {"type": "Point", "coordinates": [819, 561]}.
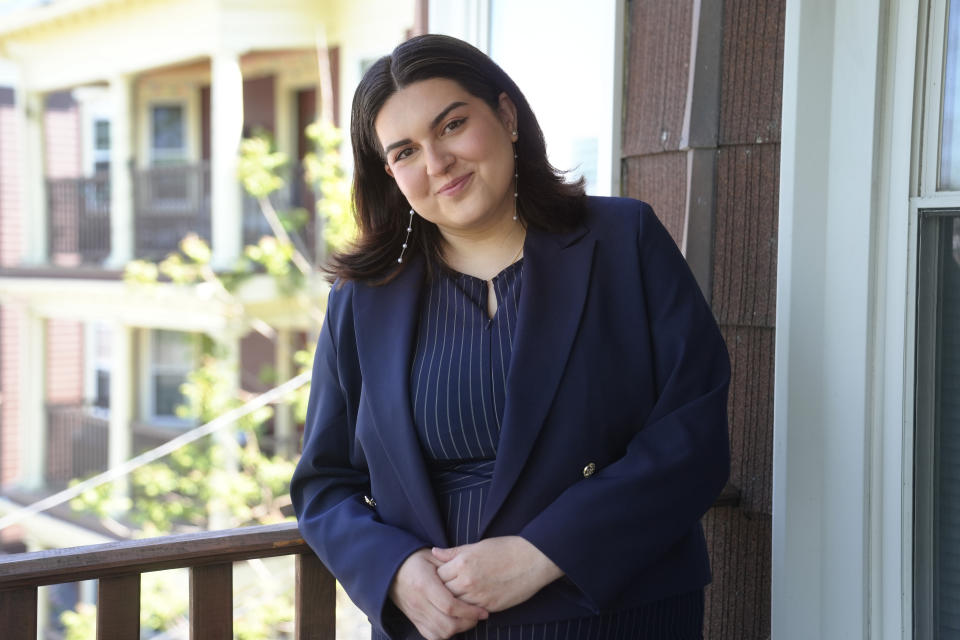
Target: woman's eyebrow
{"type": "Point", "coordinates": [433, 123]}
{"type": "Point", "coordinates": [443, 114]}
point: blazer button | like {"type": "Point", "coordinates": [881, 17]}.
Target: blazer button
{"type": "Point", "coordinates": [370, 502]}
{"type": "Point", "coordinates": [589, 469]}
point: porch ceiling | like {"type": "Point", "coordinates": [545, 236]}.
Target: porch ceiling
{"type": "Point", "coordinates": [77, 42]}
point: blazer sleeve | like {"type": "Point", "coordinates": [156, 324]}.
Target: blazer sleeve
{"type": "Point", "coordinates": [331, 481]}
{"type": "Point", "coordinates": [604, 530]}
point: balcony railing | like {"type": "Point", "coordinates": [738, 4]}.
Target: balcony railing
{"type": "Point", "coordinates": [76, 443]}
{"type": "Point", "coordinates": [209, 556]}
{"type": "Point", "coordinates": [170, 202]}
{"type": "Point", "coordinates": [78, 438]}
{"type": "Point", "coordinates": [78, 212]}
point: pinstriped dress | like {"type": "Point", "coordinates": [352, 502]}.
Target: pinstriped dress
{"type": "Point", "coordinates": [458, 386]}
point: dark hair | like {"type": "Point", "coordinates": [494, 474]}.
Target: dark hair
{"type": "Point", "coordinates": [546, 201]}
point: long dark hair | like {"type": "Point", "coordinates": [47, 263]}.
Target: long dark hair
{"type": "Point", "coordinates": [546, 201]}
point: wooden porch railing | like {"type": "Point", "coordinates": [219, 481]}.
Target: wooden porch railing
{"type": "Point", "coordinates": [78, 218]}
{"type": "Point", "coordinates": [117, 567]}
{"type": "Point", "coordinates": [77, 442]}
{"type": "Point", "coordinates": [170, 202]}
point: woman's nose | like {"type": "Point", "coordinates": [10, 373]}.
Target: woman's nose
{"type": "Point", "coordinates": [439, 160]}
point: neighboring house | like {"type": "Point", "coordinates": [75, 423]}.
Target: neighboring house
{"type": "Point", "coordinates": [119, 131]}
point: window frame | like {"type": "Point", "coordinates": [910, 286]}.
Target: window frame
{"type": "Point", "coordinates": [934, 66]}
{"type": "Point", "coordinates": [926, 432]}
{"type": "Point", "coordinates": [148, 371]}
{"type": "Point", "coordinates": [167, 157]}
{"type": "Point", "coordinates": [929, 204]}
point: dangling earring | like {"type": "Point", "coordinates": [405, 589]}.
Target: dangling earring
{"type": "Point", "coordinates": [407, 239]}
{"type": "Point", "coordinates": [516, 177]}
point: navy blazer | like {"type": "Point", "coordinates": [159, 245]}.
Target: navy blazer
{"type": "Point", "coordinates": [614, 436]}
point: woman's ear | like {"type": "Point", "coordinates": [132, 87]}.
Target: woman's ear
{"type": "Point", "coordinates": [507, 112]}
{"type": "Point", "coordinates": [386, 168]}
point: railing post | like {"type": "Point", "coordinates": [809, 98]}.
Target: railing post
{"type": "Point", "coordinates": [118, 608]}
{"type": "Point", "coordinates": [315, 611]}
{"type": "Point", "coordinates": [18, 613]}
{"type": "Point", "coordinates": [211, 602]}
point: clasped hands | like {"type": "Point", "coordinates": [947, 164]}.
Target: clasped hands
{"type": "Point", "coordinates": [447, 591]}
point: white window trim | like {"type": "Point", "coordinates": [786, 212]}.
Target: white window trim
{"type": "Point", "coordinates": [842, 398]}
{"type": "Point", "coordinates": [185, 111]}
{"type": "Point", "coordinates": [90, 367]}
{"type": "Point", "coordinates": [147, 395]}
{"type": "Point", "coordinates": [468, 20]}
{"type": "Point", "coordinates": [929, 169]}
{"type": "Point", "coordinates": [99, 155]}
{"type": "Point", "coordinates": [926, 197]}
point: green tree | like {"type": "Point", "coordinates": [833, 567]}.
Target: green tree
{"type": "Point", "coordinates": [228, 476]}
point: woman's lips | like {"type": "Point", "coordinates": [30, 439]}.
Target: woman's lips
{"type": "Point", "coordinates": [455, 186]}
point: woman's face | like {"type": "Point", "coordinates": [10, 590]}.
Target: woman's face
{"type": "Point", "coordinates": [450, 154]}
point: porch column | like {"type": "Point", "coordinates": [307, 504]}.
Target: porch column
{"type": "Point", "coordinates": [283, 416]}
{"type": "Point", "coordinates": [226, 122]}
{"type": "Point", "coordinates": [120, 446]}
{"type": "Point", "coordinates": [31, 106]}
{"type": "Point", "coordinates": [228, 360]}
{"type": "Point", "coordinates": [33, 419]}
{"type": "Point", "coordinates": [121, 181]}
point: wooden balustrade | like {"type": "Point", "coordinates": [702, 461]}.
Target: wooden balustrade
{"type": "Point", "coordinates": [209, 556]}
{"type": "Point", "coordinates": [170, 201]}
{"type": "Point", "coordinates": [78, 219]}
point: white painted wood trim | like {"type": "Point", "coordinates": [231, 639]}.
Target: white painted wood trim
{"type": "Point", "coordinates": [840, 547]}
{"type": "Point", "coordinates": [889, 563]}
{"type": "Point", "coordinates": [936, 43]}
{"type": "Point", "coordinates": [33, 418]}
{"type": "Point", "coordinates": [226, 123]}
{"type": "Point", "coordinates": [31, 115]}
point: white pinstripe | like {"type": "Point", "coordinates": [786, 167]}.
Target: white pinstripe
{"type": "Point", "coordinates": [436, 404]}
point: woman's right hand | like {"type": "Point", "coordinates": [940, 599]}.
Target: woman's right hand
{"type": "Point", "coordinates": [420, 594]}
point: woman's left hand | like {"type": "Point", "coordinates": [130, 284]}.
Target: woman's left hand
{"type": "Point", "coordinates": [496, 573]}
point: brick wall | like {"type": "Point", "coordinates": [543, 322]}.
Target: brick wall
{"type": "Point", "coordinates": [11, 194]}
{"type": "Point", "coordinates": [731, 127]}
{"type": "Point", "coordinates": [64, 361]}
{"type": "Point", "coordinates": [61, 133]}
{"type": "Point", "coordinates": [62, 138]}
{"type": "Point", "coordinates": [10, 383]}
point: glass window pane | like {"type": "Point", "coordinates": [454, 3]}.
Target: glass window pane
{"type": "Point", "coordinates": [948, 423]}
{"type": "Point", "coordinates": [168, 128]}
{"type": "Point", "coordinates": [102, 395]}
{"type": "Point", "coordinates": [950, 132]}
{"type": "Point", "coordinates": [167, 394]}
{"type": "Point", "coordinates": [172, 350]}
{"type": "Point", "coordinates": [579, 124]}
{"type": "Point", "coordinates": [937, 462]}
{"type": "Point", "coordinates": [102, 135]}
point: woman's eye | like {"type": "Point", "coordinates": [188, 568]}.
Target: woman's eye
{"type": "Point", "coordinates": [454, 124]}
{"type": "Point", "coordinates": [403, 153]}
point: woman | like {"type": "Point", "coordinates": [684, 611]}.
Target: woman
{"type": "Point", "coordinates": [518, 408]}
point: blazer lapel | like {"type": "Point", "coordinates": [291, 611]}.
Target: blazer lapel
{"type": "Point", "coordinates": [556, 274]}
{"type": "Point", "coordinates": [386, 320]}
